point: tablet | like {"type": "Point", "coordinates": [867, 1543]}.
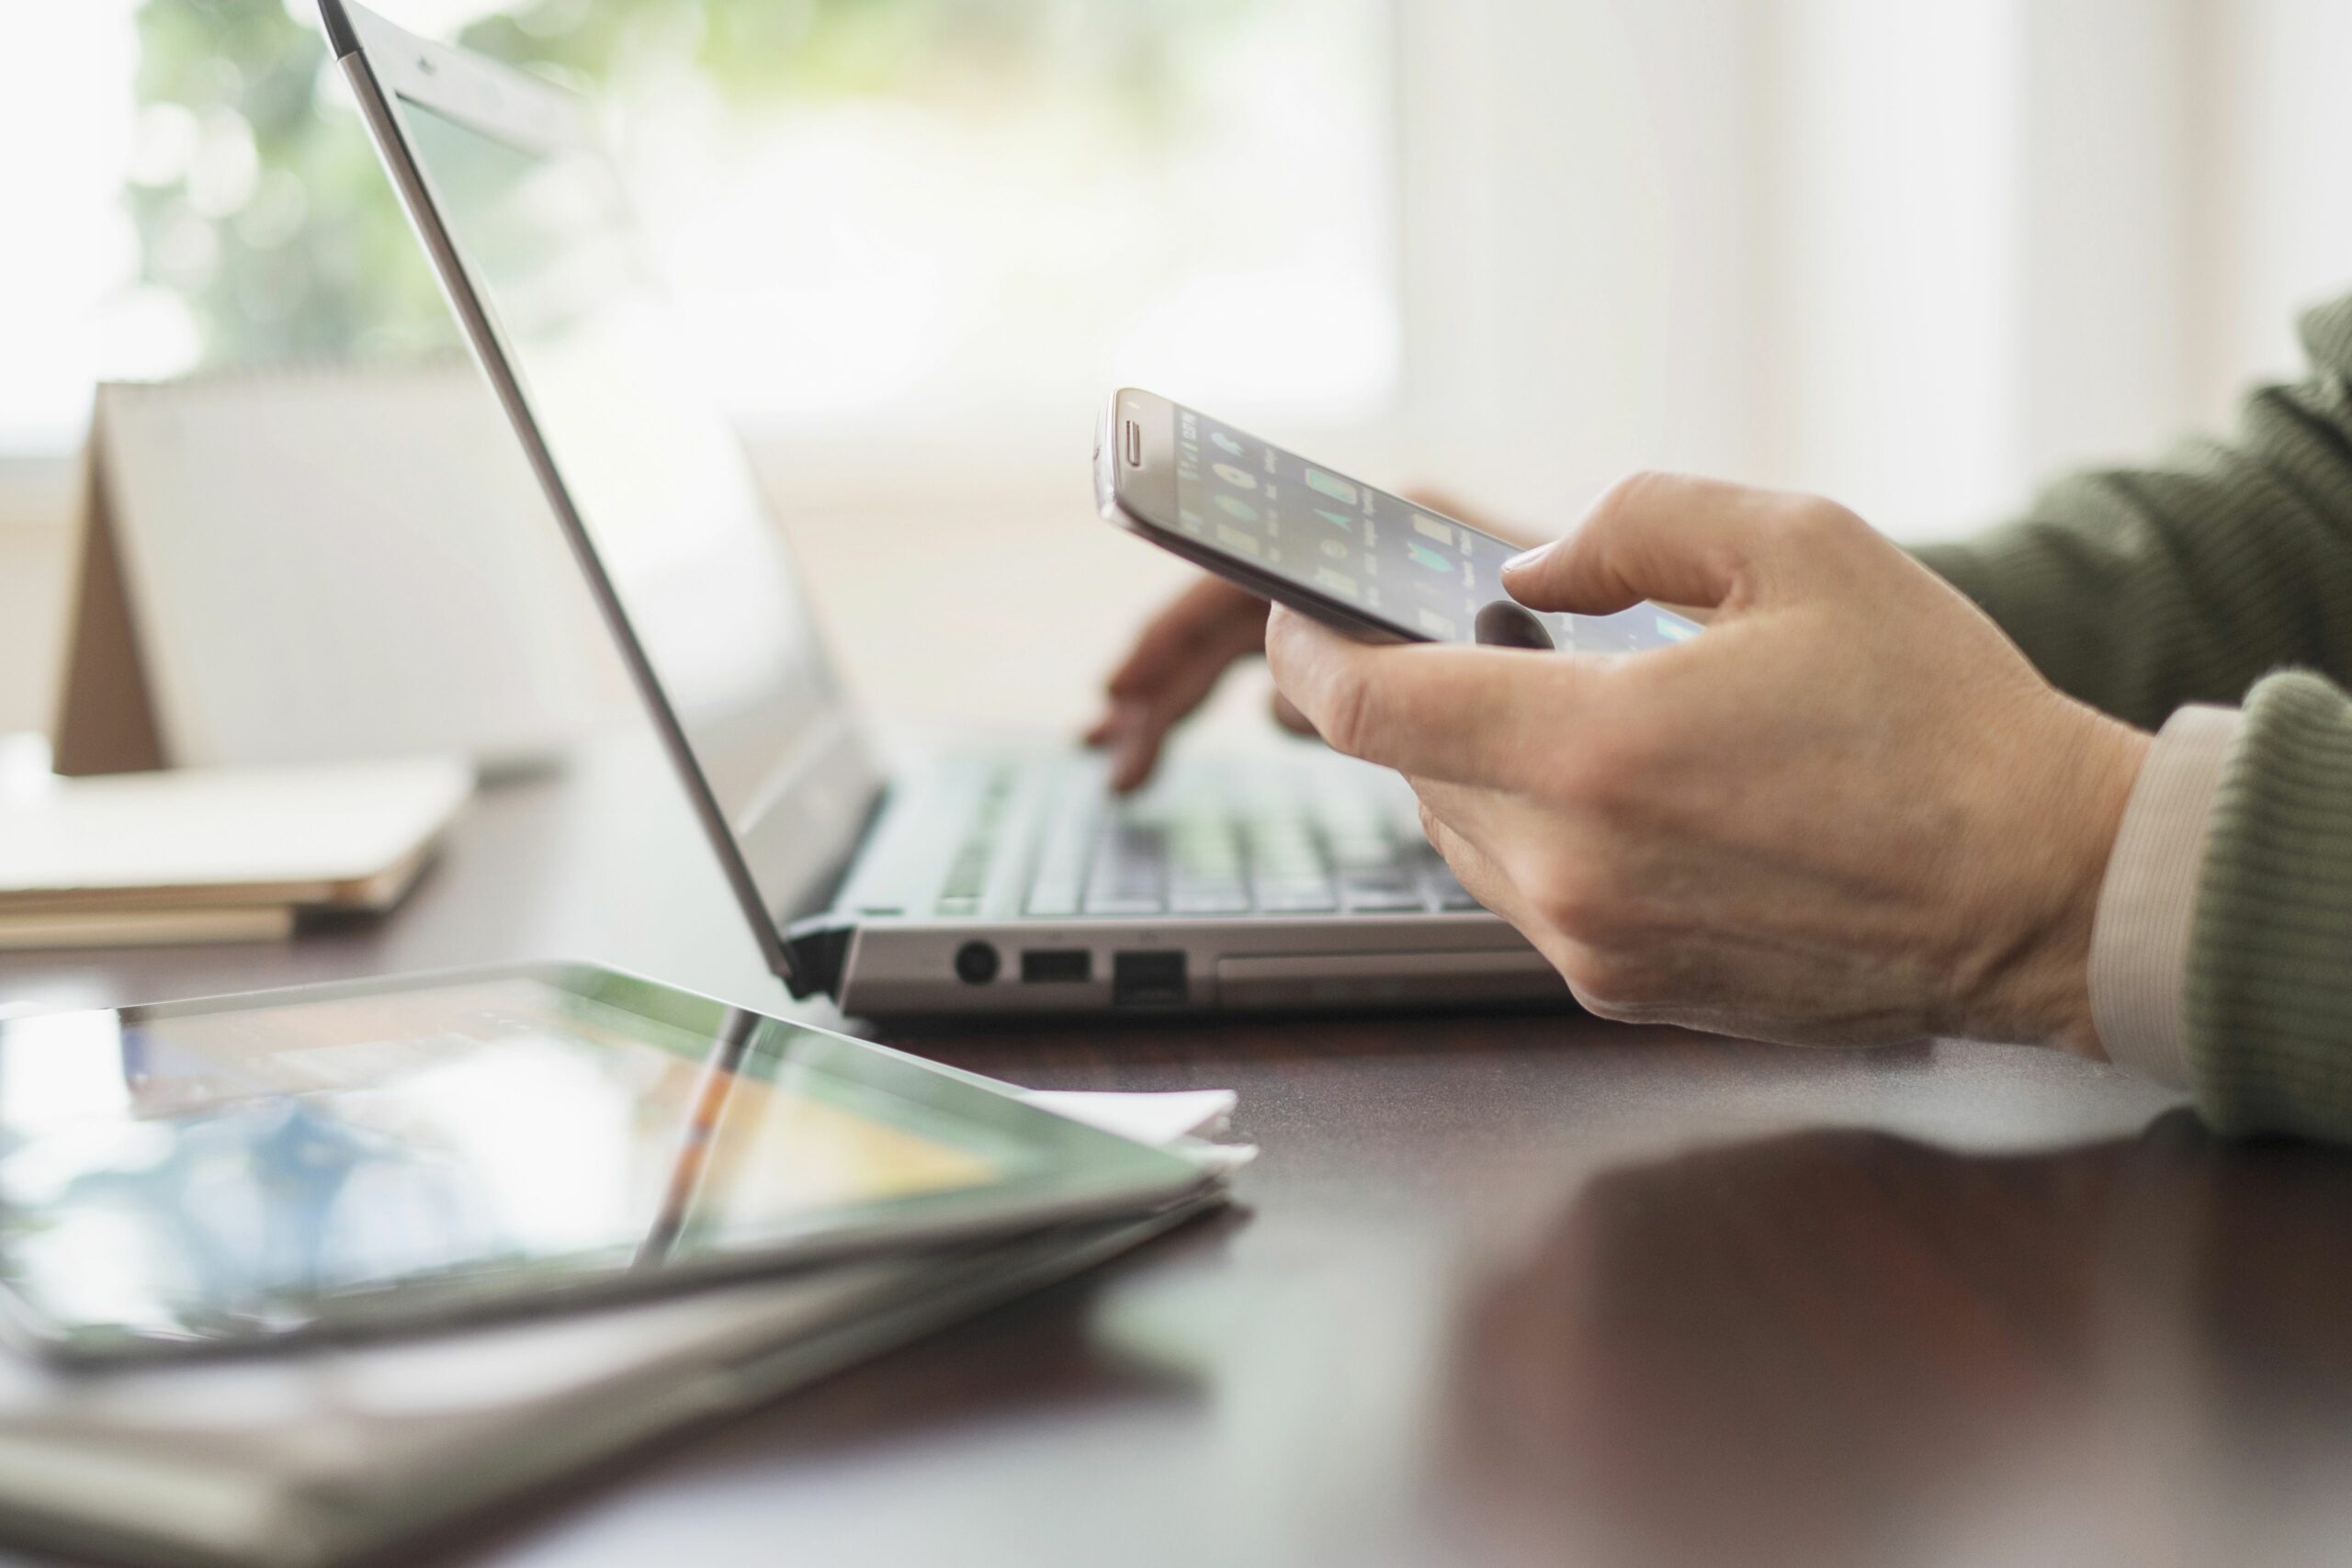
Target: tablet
{"type": "Point", "coordinates": [243, 1170]}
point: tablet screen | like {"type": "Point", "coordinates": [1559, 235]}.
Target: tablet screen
{"type": "Point", "coordinates": [225, 1170]}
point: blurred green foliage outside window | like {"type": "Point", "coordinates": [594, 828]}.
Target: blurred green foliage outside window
{"type": "Point", "coordinates": [259, 207]}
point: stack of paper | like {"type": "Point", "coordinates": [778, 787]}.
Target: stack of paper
{"type": "Point", "coordinates": [215, 854]}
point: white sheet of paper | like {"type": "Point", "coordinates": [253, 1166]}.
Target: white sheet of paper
{"type": "Point", "coordinates": [1147, 1118]}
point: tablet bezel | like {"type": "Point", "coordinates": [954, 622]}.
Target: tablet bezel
{"type": "Point", "coordinates": [1084, 1173]}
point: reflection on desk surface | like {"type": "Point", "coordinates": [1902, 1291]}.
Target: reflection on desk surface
{"type": "Point", "coordinates": [1849, 1347]}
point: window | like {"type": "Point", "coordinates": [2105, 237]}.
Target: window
{"type": "Point", "coordinates": [68, 249]}
{"type": "Point", "coordinates": [968, 207]}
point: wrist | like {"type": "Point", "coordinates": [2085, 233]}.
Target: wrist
{"type": "Point", "coordinates": [2038, 986]}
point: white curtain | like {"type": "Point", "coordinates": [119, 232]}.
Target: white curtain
{"type": "Point", "coordinates": [1916, 255]}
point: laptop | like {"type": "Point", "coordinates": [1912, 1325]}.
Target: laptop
{"type": "Point", "coordinates": [968, 881]}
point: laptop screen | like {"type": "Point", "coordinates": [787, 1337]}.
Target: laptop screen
{"type": "Point", "coordinates": [662, 489]}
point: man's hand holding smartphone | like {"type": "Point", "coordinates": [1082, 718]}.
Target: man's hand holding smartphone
{"type": "Point", "coordinates": [1851, 812]}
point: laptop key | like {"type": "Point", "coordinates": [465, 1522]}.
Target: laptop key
{"type": "Point", "coordinates": [1130, 871]}
{"type": "Point", "coordinates": [1446, 891]}
{"type": "Point", "coordinates": [968, 873]}
{"type": "Point", "coordinates": [1057, 882]}
{"type": "Point", "coordinates": [1390, 892]}
{"type": "Point", "coordinates": [1362, 852]}
{"type": "Point", "coordinates": [1230, 898]}
{"type": "Point", "coordinates": [1296, 898]}
{"type": "Point", "coordinates": [1053, 899]}
{"type": "Point", "coordinates": [1123, 908]}
{"type": "Point", "coordinates": [1283, 850]}
{"type": "Point", "coordinates": [1204, 850]}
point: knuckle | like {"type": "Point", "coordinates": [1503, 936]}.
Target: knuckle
{"type": "Point", "coordinates": [1629, 489]}
{"type": "Point", "coordinates": [1811, 523]}
{"type": "Point", "coordinates": [1577, 901]}
{"type": "Point", "coordinates": [1592, 893]}
{"type": "Point", "coordinates": [1611, 984]}
{"type": "Point", "coordinates": [1599, 1005]}
{"type": "Point", "coordinates": [1349, 721]}
{"type": "Point", "coordinates": [1614, 764]}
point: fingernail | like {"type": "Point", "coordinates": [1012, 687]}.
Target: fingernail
{"type": "Point", "coordinates": [1129, 763]}
{"type": "Point", "coordinates": [1526, 559]}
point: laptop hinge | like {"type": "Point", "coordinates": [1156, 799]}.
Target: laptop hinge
{"type": "Point", "coordinates": [814, 951]}
{"type": "Point", "coordinates": [816, 944]}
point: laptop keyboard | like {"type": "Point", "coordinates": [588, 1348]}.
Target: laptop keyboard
{"type": "Point", "coordinates": [1214, 841]}
{"type": "Point", "coordinates": [968, 873]}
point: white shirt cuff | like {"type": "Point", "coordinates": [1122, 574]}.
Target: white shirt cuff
{"type": "Point", "coordinates": [2140, 933]}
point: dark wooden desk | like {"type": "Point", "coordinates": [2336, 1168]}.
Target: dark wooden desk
{"type": "Point", "coordinates": [1516, 1290]}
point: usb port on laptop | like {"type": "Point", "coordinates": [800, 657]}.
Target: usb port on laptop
{"type": "Point", "coordinates": [1147, 979]}
{"type": "Point", "coordinates": [1056, 966]}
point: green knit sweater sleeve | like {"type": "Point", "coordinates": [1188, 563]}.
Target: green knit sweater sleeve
{"type": "Point", "coordinates": [2266, 1009]}
{"type": "Point", "coordinates": [2202, 580]}
{"type": "Point", "coordinates": [2139, 590]}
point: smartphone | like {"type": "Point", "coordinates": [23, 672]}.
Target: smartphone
{"type": "Point", "coordinates": [1367, 562]}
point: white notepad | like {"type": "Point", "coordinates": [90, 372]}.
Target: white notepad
{"type": "Point", "coordinates": [350, 835]}
{"type": "Point", "coordinates": [316, 564]}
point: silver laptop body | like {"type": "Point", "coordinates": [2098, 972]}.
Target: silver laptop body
{"type": "Point", "coordinates": [968, 882]}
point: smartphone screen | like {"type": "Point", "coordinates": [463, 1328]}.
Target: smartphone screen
{"type": "Point", "coordinates": [1423, 574]}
